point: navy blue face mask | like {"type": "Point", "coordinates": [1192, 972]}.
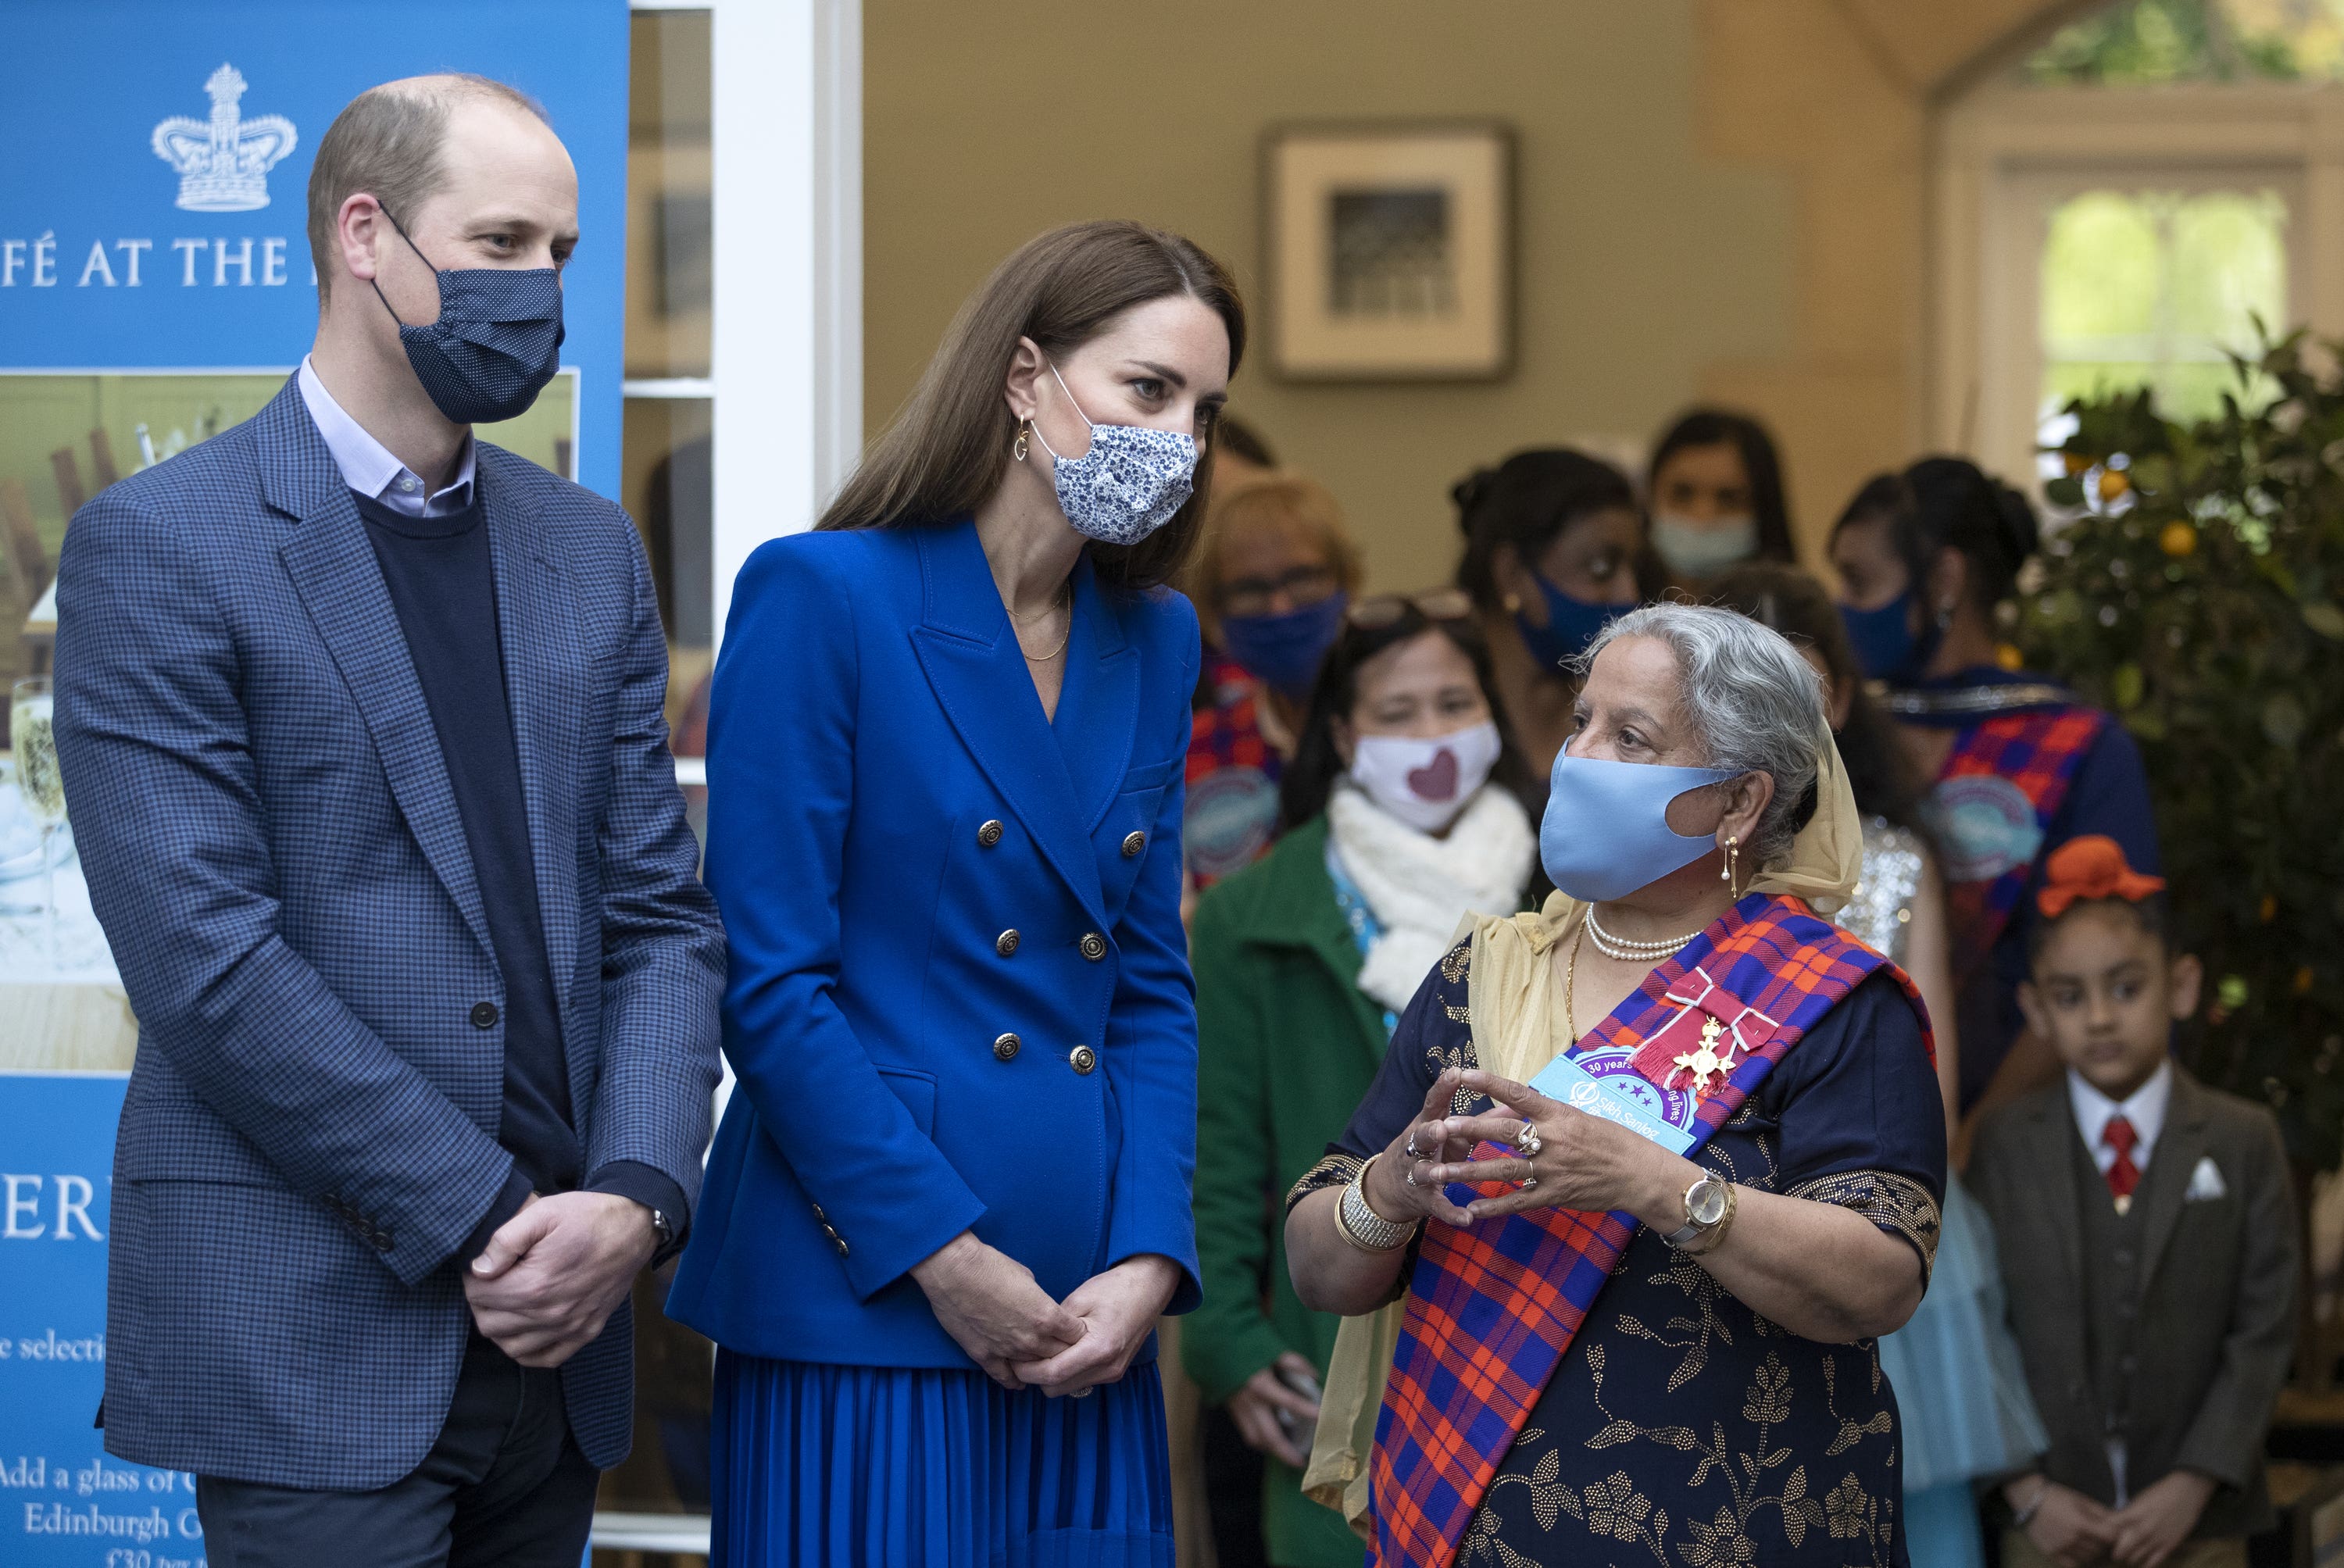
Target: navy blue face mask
{"type": "Point", "coordinates": [1284, 651]}
{"type": "Point", "coordinates": [1571, 623]}
{"type": "Point", "coordinates": [497, 343]}
{"type": "Point", "coordinates": [1886, 647]}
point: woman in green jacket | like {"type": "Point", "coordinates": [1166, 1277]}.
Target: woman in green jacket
{"type": "Point", "coordinates": [1406, 807]}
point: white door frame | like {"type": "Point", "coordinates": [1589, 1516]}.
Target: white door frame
{"type": "Point", "coordinates": [787, 197]}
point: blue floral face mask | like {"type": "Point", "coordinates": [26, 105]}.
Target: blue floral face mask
{"type": "Point", "coordinates": [1128, 484]}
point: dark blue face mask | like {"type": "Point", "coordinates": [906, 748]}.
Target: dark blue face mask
{"type": "Point", "coordinates": [497, 343]}
{"type": "Point", "coordinates": [1571, 623]}
{"type": "Point", "coordinates": [1885, 645]}
{"type": "Point", "coordinates": [1284, 651]}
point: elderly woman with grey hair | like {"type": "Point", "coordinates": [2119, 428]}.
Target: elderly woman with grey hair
{"type": "Point", "coordinates": [1645, 1173]}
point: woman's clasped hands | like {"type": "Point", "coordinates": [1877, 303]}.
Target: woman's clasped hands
{"type": "Point", "coordinates": [993, 1309]}
{"type": "Point", "coordinates": [1546, 1154]}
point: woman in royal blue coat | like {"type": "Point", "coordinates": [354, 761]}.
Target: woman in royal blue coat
{"type": "Point", "coordinates": [950, 1197]}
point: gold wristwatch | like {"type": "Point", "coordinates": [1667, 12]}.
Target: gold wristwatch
{"type": "Point", "coordinates": [1708, 1211]}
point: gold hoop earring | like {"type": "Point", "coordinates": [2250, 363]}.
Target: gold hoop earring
{"type": "Point", "coordinates": [1730, 872]}
{"type": "Point", "coordinates": [1017, 447]}
{"type": "Point", "coordinates": [1513, 603]}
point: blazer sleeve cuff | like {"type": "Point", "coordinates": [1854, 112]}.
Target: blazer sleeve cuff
{"type": "Point", "coordinates": [2227, 1463]}
{"type": "Point", "coordinates": [508, 1201]}
{"type": "Point", "coordinates": [876, 1259]}
{"type": "Point", "coordinates": [1171, 1236]}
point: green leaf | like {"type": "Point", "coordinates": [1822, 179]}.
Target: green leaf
{"type": "Point", "coordinates": [2323, 617]}
{"type": "Point", "coordinates": [2125, 685]}
{"type": "Point", "coordinates": [2065, 491]}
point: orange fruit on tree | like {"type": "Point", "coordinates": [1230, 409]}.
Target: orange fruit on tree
{"type": "Point", "coordinates": [2177, 538]}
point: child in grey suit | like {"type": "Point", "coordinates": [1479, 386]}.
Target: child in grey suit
{"type": "Point", "coordinates": [2148, 1239]}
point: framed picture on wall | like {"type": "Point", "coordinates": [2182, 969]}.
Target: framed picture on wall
{"type": "Point", "coordinates": [1388, 249]}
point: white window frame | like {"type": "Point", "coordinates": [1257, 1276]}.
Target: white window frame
{"type": "Point", "coordinates": [2007, 152]}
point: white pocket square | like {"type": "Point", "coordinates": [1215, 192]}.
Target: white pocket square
{"type": "Point", "coordinates": [2206, 1182]}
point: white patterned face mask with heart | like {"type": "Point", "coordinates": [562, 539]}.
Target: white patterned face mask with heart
{"type": "Point", "coordinates": [1425, 783]}
{"type": "Point", "coordinates": [1130, 482]}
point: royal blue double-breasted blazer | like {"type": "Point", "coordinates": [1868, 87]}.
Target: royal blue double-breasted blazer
{"type": "Point", "coordinates": [959, 993]}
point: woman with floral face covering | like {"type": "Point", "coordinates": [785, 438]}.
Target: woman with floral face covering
{"type": "Point", "coordinates": [1553, 548]}
{"type": "Point", "coordinates": [1408, 809]}
{"type": "Point", "coordinates": [949, 1199]}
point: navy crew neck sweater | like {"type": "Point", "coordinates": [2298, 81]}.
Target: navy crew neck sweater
{"type": "Point", "coordinates": [442, 587]}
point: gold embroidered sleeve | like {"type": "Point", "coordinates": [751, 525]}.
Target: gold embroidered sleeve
{"type": "Point", "coordinates": [1897, 1204]}
{"type": "Point", "coordinates": [1335, 1170]}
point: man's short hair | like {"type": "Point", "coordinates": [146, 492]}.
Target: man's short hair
{"type": "Point", "coordinates": [388, 142]}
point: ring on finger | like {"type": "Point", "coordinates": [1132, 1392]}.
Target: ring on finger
{"type": "Point", "coordinates": [1412, 1152]}
{"type": "Point", "coordinates": [1528, 1142]}
{"type": "Point", "coordinates": [1527, 1182]}
{"type": "Point", "coordinates": [1081, 1393]}
{"type": "Point", "coordinates": [1411, 1178]}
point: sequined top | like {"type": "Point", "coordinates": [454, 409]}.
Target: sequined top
{"type": "Point", "coordinates": [1880, 915]}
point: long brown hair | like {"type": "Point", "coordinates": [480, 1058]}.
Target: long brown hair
{"type": "Point", "coordinates": [945, 453]}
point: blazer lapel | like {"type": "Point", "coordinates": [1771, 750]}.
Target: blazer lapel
{"type": "Point", "coordinates": [545, 689]}
{"type": "Point", "coordinates": [1098, 709]}
{"type": "Point", "coordinates": [333, 567]}
{"type": "Point", "coordinates": [974, 664]}
{"type": "Point", "coordinates": [2164, 1184]}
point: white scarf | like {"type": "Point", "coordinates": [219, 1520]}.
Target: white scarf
{"type": "Point", "coordinates": [1419, 888]}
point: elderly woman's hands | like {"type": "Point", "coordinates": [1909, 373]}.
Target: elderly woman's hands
{"type": "Point", "coordinates": [1397, 1188]}
{"type": "Point", "coordinates": [1582, 1162]}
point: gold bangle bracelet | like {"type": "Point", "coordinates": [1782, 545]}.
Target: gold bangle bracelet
{"type": "Point", "coordinates": [1359, 1223]}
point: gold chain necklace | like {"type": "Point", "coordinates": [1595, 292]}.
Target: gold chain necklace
{"type": "Point", "coordinates": [1067, 603]}
{"type": "Point", "coordinates": [1571, 985]}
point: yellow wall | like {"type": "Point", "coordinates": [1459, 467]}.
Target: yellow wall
{"type": "Point", "coordinates": [1643, 261]}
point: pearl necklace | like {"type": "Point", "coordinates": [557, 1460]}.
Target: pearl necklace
{"type": "Point", "coordinates": [1628, 952]}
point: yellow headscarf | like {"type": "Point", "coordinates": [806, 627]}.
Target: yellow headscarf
{"type": "Point", "coordinates": [1519, 1029]}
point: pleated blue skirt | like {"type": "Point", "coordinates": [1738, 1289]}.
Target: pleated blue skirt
{"type": "Point", "coordinates": [819, 1466]}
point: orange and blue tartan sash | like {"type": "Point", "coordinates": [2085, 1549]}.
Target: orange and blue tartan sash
{"type": "Point", "coordinates": [2038, 750]}
{"type": "Point", "coordinates": [1492, 1308]}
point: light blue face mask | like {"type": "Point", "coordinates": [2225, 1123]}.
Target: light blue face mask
{"type": "Point", "coordinates": [1606, 831]}
{"type": "Point", "coordinates": [1701, 550]}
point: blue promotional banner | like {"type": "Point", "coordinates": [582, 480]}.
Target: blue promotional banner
{"type": "Point", "coordinates": [153, 213]}
{"type": "Point", "coordinates": [63, 1498]}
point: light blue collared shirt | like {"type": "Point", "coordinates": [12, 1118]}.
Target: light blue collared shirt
{"type": "Point", "coordinates": [367, 466]}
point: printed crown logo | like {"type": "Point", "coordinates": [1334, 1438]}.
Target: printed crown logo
{"type": "Point", "coordinates": [224, 162]}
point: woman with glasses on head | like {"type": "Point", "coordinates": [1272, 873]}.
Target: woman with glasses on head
{"type": "Point", "coordinates": [1270, 581]}
{"type": "Point", "coordinates": [1554, 547]}
{"type": "Point", "coordinates": [1406, 808]}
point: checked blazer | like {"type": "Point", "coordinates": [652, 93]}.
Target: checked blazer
{"type": "Point", "coordinates": [275, 850]}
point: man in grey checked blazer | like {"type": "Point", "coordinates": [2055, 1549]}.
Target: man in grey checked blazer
{"type": "Point", "coordinates": [361, 726]}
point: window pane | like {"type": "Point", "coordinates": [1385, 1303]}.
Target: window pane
{"type": "Point", "coordinates": [664, 479]}
{"type": "Point", "coordinates": [668, 244]}
{"type": "Point", "coordinates": [2153, 288]}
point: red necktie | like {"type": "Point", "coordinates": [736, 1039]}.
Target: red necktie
{"type": "Point", "coordinates": [2123, 1174]}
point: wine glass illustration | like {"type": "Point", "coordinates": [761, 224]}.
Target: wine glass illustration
{"type": "Point", "coordinates": [31, 730]}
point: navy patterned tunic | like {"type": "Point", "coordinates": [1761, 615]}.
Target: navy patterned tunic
{"type": "Point", "coordinates": [1683, 1430]}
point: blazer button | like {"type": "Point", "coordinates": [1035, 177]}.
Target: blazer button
{"type": "Point", "coordinates": [381, 1239]}
{"type": "Point", "coordinates": [484, 1015]}
{"type": "Point", "coordinates": [1007, 1047]}
{"type": "Point", "coordinates": [989, 834]}
{"type": "Point", "coordinates": [1132, 842]}
{"type": "Point", "coordinates": [841, 1240]}
{"type": "Point", "coordinates": [1094, 945]}
{"type": "Point", "coordinates": [1082, 1058]}
{"type": "Point", "coordinates": [1006, 943]}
